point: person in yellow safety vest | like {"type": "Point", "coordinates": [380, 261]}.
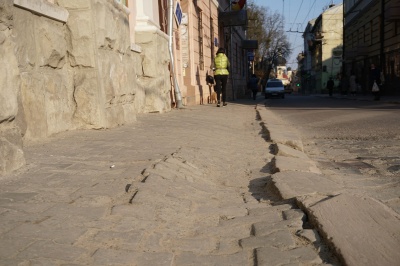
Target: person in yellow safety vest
{"type": "Point", "coordinates": [221, 65]}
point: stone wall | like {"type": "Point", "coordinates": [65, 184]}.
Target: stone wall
{"type": "Point", "coordinates": [75, 74]}
{"type": "Point", "coordinates": [11, 153]}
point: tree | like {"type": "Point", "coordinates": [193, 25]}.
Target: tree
{"type": "Point", "coordinates": [273, 44]}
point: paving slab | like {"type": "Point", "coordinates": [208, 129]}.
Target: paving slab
{"type": "Point", "coordinates": [129, 257]}
{"type": "Point", "coordinates": [266, 228]}
{"type": "Point", "coordinates": [151, 193]}
{"type": "Point", "coordinates": [281, 239]}
{"type": "Point", "coordinates": [279, 131]}
{"type": "Point", "coordinates": [294, 184]}
{"type": "Point", "coordinates": [363, 230]}
{"type": "Point", "coordinates": [283, 164]}
{"type": "Point", "coordinates": [284, 150]}
{"type": "Point", "coordinates": [298, 256]}
{"type": "Point", "coordinates": [189, 258]}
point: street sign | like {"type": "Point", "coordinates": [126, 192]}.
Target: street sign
{"type": "Point", "coordinates": [178, 13]}
{"type": "Point", "coordinates": [250, 56]}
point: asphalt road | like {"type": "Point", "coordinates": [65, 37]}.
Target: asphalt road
{"type": "Point", "coordinates": [354, 142]}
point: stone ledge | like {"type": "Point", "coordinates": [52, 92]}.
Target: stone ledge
{"type": "Point", "coordinates": [45, 8]}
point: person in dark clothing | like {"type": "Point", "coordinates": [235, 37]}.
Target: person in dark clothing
{"type": "Point", "coordinates": [253, 85]}
{"type": "Point", "coordinates": [375, 78]}
{"type": "Point", "coordinates": [330, 86]}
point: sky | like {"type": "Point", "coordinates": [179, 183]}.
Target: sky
{"type": "Point", "coordinates": [296, 13]}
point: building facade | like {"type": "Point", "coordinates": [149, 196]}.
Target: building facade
{"type": "Point", "coordinates": [372, 36]}
{"type": "Point", "coordinates": [323, 49]}
{"type": "Point", "coordinates": [197, 39]}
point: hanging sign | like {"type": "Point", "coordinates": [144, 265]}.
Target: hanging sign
{"type": "Point", "coordinates": [178, 13]}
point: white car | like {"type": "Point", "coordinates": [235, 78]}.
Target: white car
{"type": "Point", "coordinates": [274, 88]}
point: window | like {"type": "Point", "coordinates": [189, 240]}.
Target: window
{"type": "Point", "coordinates": [364, 35]}
{"type": "Point", "coordinates": [370, 33]}
{"type": "Point", "coordinates": [200, 29]}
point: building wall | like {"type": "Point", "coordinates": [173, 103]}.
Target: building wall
{"type": "Point", "coordinates": [196, 48]}
{"type": "Point", "coordinates": [74, 66]}
{"type": "Point", "coordinates": [12, 122]}
{"type": "Point", "coordinates": [367, 41]}
{"type": "Point", "coordinates": [196, 43]}
{"type": "Point", "coordinates": [327, 48]}
{"type": "Point", "coordinates": [332, 49]}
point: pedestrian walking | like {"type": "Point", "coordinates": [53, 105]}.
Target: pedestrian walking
{"type": "Point", "coordinates": [330, 84]}
{"type": "Point", "coordinates": [221, 66]}
{"type": "Point", "coordinates": [375, 81]}
{"type": "Point", "coordinates": [353, 84]}
{"type": "Point", "coordinates": [253, 85]}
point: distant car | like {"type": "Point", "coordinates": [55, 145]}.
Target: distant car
{"type": "Point", "coordinates": [274, 88]}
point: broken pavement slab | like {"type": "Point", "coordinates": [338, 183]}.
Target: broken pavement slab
{"type": "Point", "coordinates": [283, 150]}
{"type": "Point", "coordinates": [278, 129]}
{"type": "Point", "coordinates": [294, 184]}
{"type": "Point", "coordinates": [362, 230]}
{"type": "Point", "coordinates": [295, 164]}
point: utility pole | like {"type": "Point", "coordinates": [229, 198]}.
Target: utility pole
{"type": "Point", "coordinates": [178, 97]}
{"type": "Point", "coordinates": [231, 56]}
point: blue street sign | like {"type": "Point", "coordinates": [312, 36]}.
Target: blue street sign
{"type": "Point", "coordinates": [178, 13]}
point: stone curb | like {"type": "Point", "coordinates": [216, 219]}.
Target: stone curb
{"type": "Point", "coordinates": [360, 230]}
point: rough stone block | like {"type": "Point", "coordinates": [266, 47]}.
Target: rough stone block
{"type": "Point", "coordinates": [48, 102]}
{"type": "Point", "coordinates": [80, 39]}
{"type": "Point", "coordinates": [52, 46]}
{"type": "Point", "coordinates": [24, 39]}
{"type": "Point", "coordinates": [89, 100]}
{"type": "Point", "coordinates": [9, 78]}
{"type": "Point", "coordinates": [112, 28]}
{"type": "Point", "coordinates": [119, 87]}
{"type": "Point", "coordinates": [60, 105]}
{"type": "Point", "coordinates": [11, 156]}
{"type": "Point", "coordinates": [33, 99]}
{"type": "Point", "coordinates": [106, 26]}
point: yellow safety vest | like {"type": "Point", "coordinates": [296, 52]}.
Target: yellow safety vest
{"type": "Point", "coordinates": [221, 64]}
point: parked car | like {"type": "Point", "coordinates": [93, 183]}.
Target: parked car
{"type": "Point", "coordinates": [275, 88]}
